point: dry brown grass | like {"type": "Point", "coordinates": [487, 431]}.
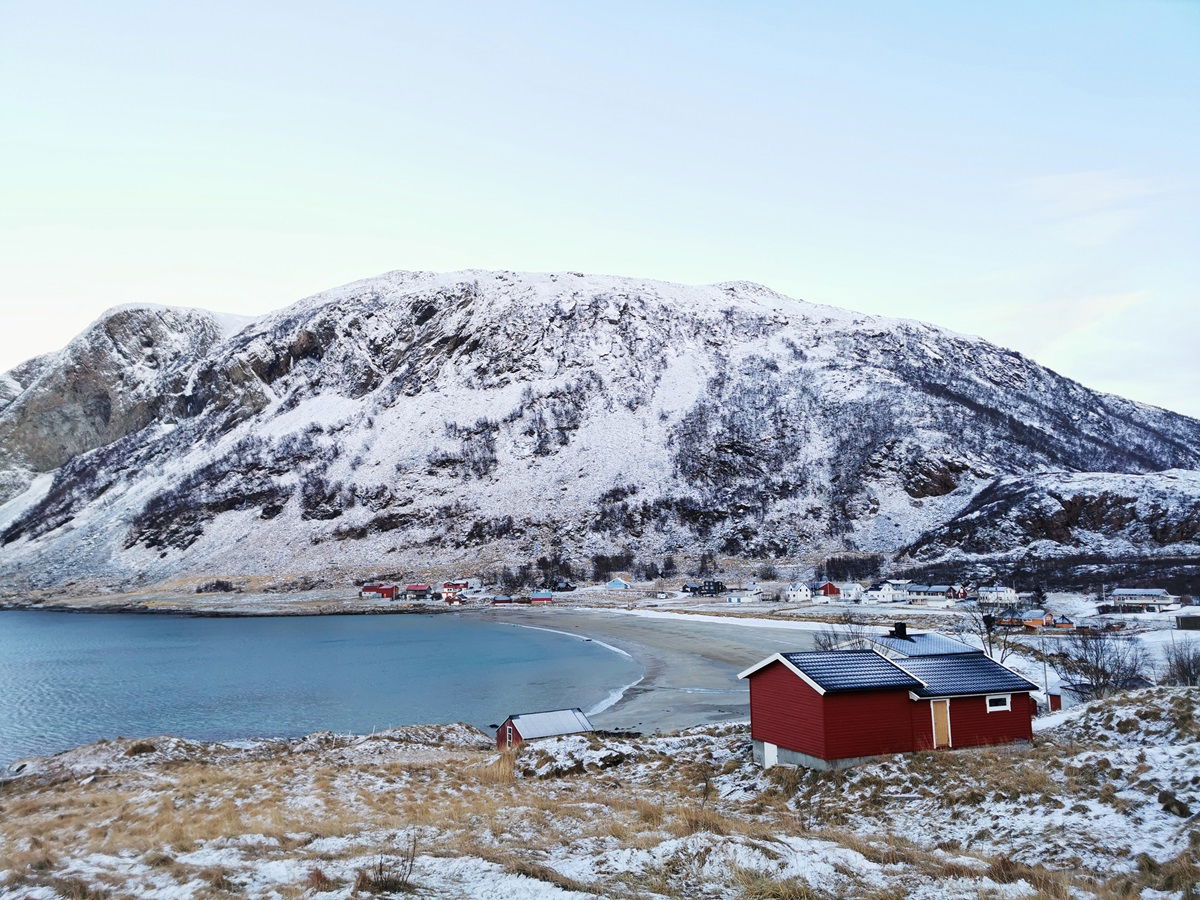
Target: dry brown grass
{"type": "Point", "coordinates": [482, 806]}
{"type": "Point", "coordinates": [752, 885]}
{"type": "Point", "coordinates": [1048, 884]}
{"type": "Point", "coordinates": [75, 889]}
{"type": "Point", "coordinates": [1180, 874]}
{"type": "Point", "coordinates": [318, 881]}
{"type": "Point", "coordinates": [501, 770]}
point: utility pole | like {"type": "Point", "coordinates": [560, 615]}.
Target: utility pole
{"type": "Point", "coordinates": [1045, 670]}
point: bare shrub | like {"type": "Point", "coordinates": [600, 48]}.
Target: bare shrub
{"type": "Point", "coordinates": [846, 627]}
{"type": "Point", "coordinates": [389, 877]}
{"type": "Point", "coordinates": [1102, 664]}
{"type": "Point", "coordinates": [1182, 665]}
{"type": "Point", "coordinates": [997, 643]}
{"type": "Point", "coordinates": [139, 748]}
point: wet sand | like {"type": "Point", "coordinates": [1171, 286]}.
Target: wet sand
{"type": "Point", "coordinates": [690, 664]}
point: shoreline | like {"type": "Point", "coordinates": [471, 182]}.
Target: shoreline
{"type": "Point", "coordinates": [689, 664]}
{"type": "Point", "coordinates": [614, 696]}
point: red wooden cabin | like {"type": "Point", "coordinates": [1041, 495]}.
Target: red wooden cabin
{"type": "Point", "coordinates": [517, 729]}
{"type": "Point", "coordinates": [828, 589]}
{"type": "Point", "coordinates": [833, 708]}
{"type": "Point", "coordinates": [385, 591]}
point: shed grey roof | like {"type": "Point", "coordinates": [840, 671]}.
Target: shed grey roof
{"type": "Point", "coordinates": [839, 671]}
{"type": "Point", "coordinates": [1140, 592]}
{"type": "Point", "coordinates": [955, 674]}
{"type": "Point", "coordinates": [920, 644]}
{"type": "Point", "coordinates": [551, 723]}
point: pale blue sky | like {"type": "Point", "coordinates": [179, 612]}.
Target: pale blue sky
{"type": "Point", "coordinates": [1025, 171]}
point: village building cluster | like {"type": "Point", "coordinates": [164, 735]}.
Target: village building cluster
{"type": "Point", "coordinates": [1007, 607]}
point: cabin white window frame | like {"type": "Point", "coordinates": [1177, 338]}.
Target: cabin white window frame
{"type": "Point", "coordinates": [1005, 707]}
{"type": "Point", "coordinates": [508, 735]}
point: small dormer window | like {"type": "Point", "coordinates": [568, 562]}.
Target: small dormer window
{"type": "Point", "coordinates": [999, 703]}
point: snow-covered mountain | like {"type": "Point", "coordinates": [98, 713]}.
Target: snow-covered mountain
{"type": "Point", "coordinates": [420, 420]}
{"type": "Point", "coordinates": [1072, 513]}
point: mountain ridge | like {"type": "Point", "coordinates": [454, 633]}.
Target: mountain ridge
{"type": "Point", "coordinates": [496, 415]}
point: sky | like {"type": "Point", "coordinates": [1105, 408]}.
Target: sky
{"type": "Point", "coordinates": [1025, 171]}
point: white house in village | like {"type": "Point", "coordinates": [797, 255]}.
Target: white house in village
{"type": "Point", "coordinates": [997, 593]}
{"type": "Point", "coordinates": [885, 592]}
{"type": "Point", "coordinates": [1142, 599]}
{"type": "Point", "coordinates": [798, 593]}
{"type": "Point", "coordinates": [932, 594]}
{"type": "Point", "coordinates": [852, 591]}
{"type": "Point", "coordinates": [749, 594]}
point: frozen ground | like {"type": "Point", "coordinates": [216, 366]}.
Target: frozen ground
{"type": "Point", "coordinates": [1101, 805]}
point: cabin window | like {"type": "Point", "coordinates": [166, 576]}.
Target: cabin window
{"type": "Point", "coordinates": [508, 736]}
{"type": "Point", "coordinates": [999, 703]}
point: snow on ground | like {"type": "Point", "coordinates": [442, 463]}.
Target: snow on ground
{"type": "Point", "coordinates": [1099, 806]}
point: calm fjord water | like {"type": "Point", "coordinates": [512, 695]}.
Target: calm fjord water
{"type": "Point", "coordinates": [68, 679]}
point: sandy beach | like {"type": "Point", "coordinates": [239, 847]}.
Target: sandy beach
{"type": "Point", "coordinates": [691, 663]}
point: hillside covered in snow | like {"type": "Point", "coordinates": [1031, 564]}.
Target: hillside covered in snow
{"type": "Point", "coordinates": [474, 417]}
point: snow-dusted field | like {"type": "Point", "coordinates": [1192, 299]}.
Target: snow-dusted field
{"type": "Point", "coordinates": [1101, 805]}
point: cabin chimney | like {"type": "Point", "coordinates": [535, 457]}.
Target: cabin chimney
{"type": "Point", "coordinates": [900, 630]}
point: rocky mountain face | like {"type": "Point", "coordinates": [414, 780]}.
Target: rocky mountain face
{"type": "Point", "coordinates": [1086, 512]}
{"type": "Point", "coordinates": [425, 420]}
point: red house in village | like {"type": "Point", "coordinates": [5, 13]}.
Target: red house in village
{"type": "Point", "coordinates": [379, 591]}
{"type": "Point", "coordinates": [827, 589]}
{"type": "Point", "coordinates": [833, 708]}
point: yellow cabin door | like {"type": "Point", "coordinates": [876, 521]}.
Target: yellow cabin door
{"type": "Point", "coordinates": [941, 723]}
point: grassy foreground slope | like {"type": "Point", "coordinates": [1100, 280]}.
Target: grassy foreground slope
{"type": "Point", "coordinates": [1104, 803]}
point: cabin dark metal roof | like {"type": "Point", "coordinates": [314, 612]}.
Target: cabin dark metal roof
{"type": "Point", "coordinates": [838, 671]}
{"type": "Point", "coordinates": [956, 674]}
{"type": "Point", "coordinates": [922, 643]}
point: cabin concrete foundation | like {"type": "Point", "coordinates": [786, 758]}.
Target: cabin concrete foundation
{"type": "Point", "coordinates": [785, 757]}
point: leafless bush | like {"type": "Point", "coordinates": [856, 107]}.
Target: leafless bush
{"type": "Point", "coordinates": [997, 643]}
{"type": "Point", "coordinates": [847, 627]}
{"type": "Point", "coordinates": [1182, 664]}
{"type": "Point", "coordinates": [389, 878]}
{"type": "Point", "coordinates": [1102, 664]}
